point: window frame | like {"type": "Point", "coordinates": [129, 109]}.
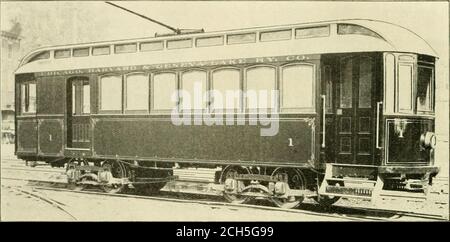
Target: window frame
{"type": "Point", "coordinates": [255, 34]}
{"type": "Point", "coordinates": [261, 33]}
{"type": "Point", "coordinates": [180, 87]}
{"type": "Point", "coordinates": [240, 108]}
{"type": "Point", "coordinates": [100, 47]}
{"type": "Point", "coordinates": [152, 95]}
{"type": "Point", "coordinates": [307, 110]}
{"type": "Point", "coordinates": [99, 92]}
{"type": "Point", "coordinates": [328, 95]}
{"type": "Point", "coordinates": [191, 43]}
{"type": "Point", "coordinates": [81, 48]}
{"type": "Point", "coordinates": [432, 89]}
{"type": "Point", "coordinates": [26, 99]}
{"type": "Point", "coordinates": [76, 81]}
{"type": "Point", "coordinates": [244, 88]}
{"type": "Point", "coordinates": [413, 66]}
{"type": "Point", "coordinates": [342, 61]}
{"type": "Point", "coordinates": [372, 68]}
{"type": "Point", "coordinates": [62, 50]}
{"type": "Point", "coordinates": [116, 46]}
{"type": "Point", "coordinates": [197, 45]}
{"type": "Point", "coordinates": [44, 55]}
{"type": "Point", "coordinates": [326, 26]}
{"type": "Point", "coordinates": [125, 94]}
{"type": "Point", "coordinates": [151, 42]}
{"type": "Point", "coordinates": [391, 109]}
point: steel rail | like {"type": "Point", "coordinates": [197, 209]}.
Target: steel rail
{"type": "Point", "coordinates": [52, 202]}
{"type": "Point", "coordinates": [347, 215]}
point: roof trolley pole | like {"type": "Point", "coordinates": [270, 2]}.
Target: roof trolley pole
{"type": "Point", "coordinates": [175, 30]}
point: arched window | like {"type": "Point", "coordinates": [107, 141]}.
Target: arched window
{"type": "Point", "coordinates": [297, 87]}
{"type": "Point", "coordinates": [137, 89]}
{"type": "Point", "coordinates": [260, 84]}
{"type": "Point", "coordinates": [164, 86]}
{"type": "Point", "coordinates": [193, 90]}
{"type": "Point", "coordinates": [111, 93]}
{"type": "Point", "coordinates": [226, 89]}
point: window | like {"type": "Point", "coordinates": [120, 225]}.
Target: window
{"type": "Point", "coordinates": [328, 80]}
{"type": "Point", "coordinates": [356, 29]}
{"type": "Point", "coordinates": [193, 83]}
{"type": "Point", "coordinates": [81, 52]}
{"type": "Point", "coordinates": [425, 85]}
{"type": "Point", "coordinates": [226, 87]}
{"type": "Point", "coordinates": [137, 91]}
{"type": "Point", "coordinates": [152, 46]}
{"type": "Point", "coordinates": [297, 86]}
{"type": "Point", "coordinates": [81, 97]}
{"type": "Point", "coordinates": [389, 79]}
{"type": "Point", "coordinates": [241, 38]}
{"type": "Point", "coordinates": [62, 53]}
{"type": "Point", "coordinates": [276, 35]}
{"type": "Point", "coordinates": [179, 43]}
{"type": "Point", "coordinates": [28, 97]}
{"type": "Point", "coordinates": [260, 82]}
{"type": "Point", "coordinates": [365, 83]}
{"type": "Point", "coordinates": [405, 80]}
{"type": "Point", "coordinates": [309, 32]}
{"type": "Point", "coordinates": [209, 41]}
{"type": "Point", "coordinates": [346, 93]}
{"type": "Point", "coordinates": [111, 93]}
{"type": "Point", "coordinates": [125, 48]}
{"type": "Point", "coordinates": [163, 89]}
{"type": "Point", "coordinates": [102, 50]}
{"type": "Point", "coordinates": [41, 56]}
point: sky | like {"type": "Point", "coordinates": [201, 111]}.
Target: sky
{"type": "Point", "coordinates": [55, 23]}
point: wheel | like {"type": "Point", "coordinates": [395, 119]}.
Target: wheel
{"type": "Point", "coordinates": [71, 184]}
{"type": "Point", "coordinates": [296, 180]}
{"type": "Point", "coordinates": [118, 171]}
{"type": "Point", "coordinates": [230, 172]}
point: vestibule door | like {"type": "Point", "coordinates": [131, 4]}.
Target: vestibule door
{"type": "Point", "coordinates": [354, 143]}
{"type": "Point", "coordinates": [78, 113]}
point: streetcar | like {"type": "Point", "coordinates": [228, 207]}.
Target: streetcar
{"type": "Point", "coordinates": [353, 115]}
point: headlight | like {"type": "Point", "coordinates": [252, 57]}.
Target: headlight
{"type": "Point", "coordinates": [428, 140]}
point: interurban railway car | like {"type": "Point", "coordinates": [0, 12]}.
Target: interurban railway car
{"type": "Point", "coordinates": [354, 113]}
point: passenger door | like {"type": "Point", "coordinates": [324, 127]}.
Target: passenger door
{"type": "Point", "coordinates": [78, 113]}
{"type": "Point", "coordinates": [354, 112]}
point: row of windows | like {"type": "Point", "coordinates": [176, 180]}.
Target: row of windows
{"type": "Point", "coordinates": [199, 42]}
{"type": "Point", "coordinates": [170, 90]}
{"type": "Point", "coordinates": [241, 38]}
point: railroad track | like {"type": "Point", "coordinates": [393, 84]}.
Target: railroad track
{"type": "Point", "coordinates": [340, 212]}
{"type": "Point", "coordinates": [41, 197]}
{"type": "Point", "coordinates": [352, 212]}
